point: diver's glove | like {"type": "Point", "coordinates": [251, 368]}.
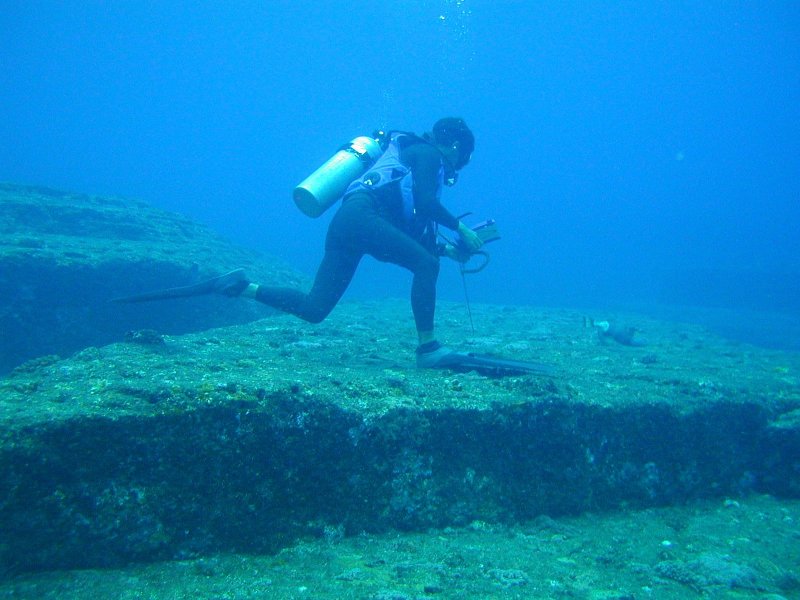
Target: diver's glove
{"type": "Point", "coordinates": [471, 240]}
{"type": "Point", "coordinates": [456, 253]}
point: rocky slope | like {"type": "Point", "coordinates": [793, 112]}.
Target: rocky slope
{"type": "Point", "coordinates": [64, 256]}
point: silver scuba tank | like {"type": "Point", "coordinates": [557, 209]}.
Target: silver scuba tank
{"type": "Point", "coordinates": [320, 190]}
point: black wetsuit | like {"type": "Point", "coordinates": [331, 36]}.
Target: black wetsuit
{"type": "Point", "coordinates": [370, 222]}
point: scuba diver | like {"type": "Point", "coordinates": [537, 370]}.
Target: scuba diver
{"type": "Point", "coordinates": [390, 187]}
{"type": "Point", "coordinates": [390, 212]}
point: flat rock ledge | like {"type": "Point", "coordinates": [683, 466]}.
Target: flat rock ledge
{"type": "Point", "coordinates": [247, 438]}
{"type": "Point", "coordinates": [64, 256]}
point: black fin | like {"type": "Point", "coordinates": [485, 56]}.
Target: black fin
{"type": "Point", "coordinates": [209, 286]}
{"type": "Point", "coordinates": [493, 366]}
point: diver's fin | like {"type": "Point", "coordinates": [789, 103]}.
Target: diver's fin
{"type": "Point", "coordinates": [492, 366]}
{"type": "Point", "coordinates": [229, 284]}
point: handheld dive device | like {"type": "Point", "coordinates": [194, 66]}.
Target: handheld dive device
{"type": "Point", "coordinates": [487, 231]}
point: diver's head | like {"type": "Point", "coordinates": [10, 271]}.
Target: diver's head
{"type": "Point", "coordinates": [455, 141]}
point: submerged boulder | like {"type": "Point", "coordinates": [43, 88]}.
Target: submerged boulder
{"type": "Point", "coordinates": [64, 256]}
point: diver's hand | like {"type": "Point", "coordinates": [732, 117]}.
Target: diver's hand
{"type": "Point", "coordinates": [470, 239]}
{"type": "Point", "coordinates": [454, 253]}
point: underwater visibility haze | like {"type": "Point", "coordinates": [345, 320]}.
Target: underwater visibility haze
{"type": "Point", "coordinates": [633, 154]}
{"type": "Point", "coordinates": [628, 422]}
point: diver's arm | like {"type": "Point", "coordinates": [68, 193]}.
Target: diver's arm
{"type": "Point", "coordinates": [425, 161]}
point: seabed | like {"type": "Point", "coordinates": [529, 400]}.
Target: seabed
{"type": "Point", "coordinates": [277, 459]}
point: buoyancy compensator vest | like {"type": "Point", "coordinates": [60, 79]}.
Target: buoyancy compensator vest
{"type": "Point", "coordinates": [390, 170]}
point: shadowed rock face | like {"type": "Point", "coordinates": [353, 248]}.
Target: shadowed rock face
{"type": "Point", "coordinates": [63, 256]}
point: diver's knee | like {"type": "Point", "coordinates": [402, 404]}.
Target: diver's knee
{"type": "Point", "coordinates": [316, 315]}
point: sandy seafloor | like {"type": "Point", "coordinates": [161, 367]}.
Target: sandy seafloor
{"type": "Point", "coordinates": [724, 547]}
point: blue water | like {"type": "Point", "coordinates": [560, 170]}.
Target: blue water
{"type": "Point", "coordinates": [635, 155]}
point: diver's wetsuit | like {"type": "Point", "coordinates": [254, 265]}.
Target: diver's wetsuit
{"type": "Point", "coordinates": [371, 222]}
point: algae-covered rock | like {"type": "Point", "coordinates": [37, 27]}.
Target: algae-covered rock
{"type": "Point", "coordinates": [63, 256]}
{"type": "Point", "coordinates": [250, 437]}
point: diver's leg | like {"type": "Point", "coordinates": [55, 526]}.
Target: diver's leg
{"type": "Point", "coordinates": [389, 244]}
{"type": "Point", "coordinates": [333, 276]}
{"type": "Point", "coordinates": [342, 255]}
{"type": "Point", "coordinates": [423, 298]}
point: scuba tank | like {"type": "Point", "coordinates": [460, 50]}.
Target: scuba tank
{"type": "Point", "coordinates": [320, 190]}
